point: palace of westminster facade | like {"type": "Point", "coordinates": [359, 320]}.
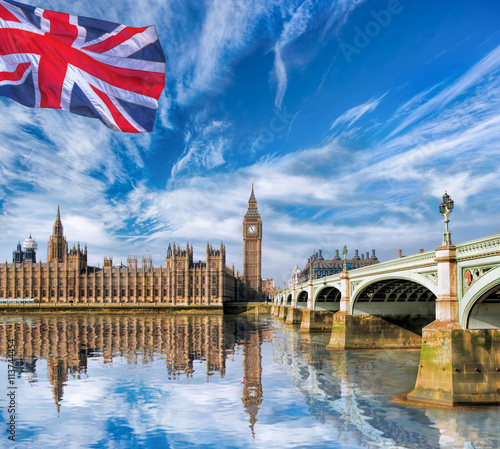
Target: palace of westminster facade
{"type": "Point", "coordinates": [67, 278]}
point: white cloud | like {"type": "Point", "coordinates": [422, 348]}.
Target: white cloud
{"type": "Point", "coordinates": [484, 68]}
{"type": "Point", "coordinates": [354, 114]}
{"type": "Point", "coordinates": [292, 29]}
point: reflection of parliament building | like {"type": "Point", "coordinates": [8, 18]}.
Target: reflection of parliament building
{"type": "Point", "coordinates": [67, 278]}
{"type": "Point", "coordinates": [66, 342]}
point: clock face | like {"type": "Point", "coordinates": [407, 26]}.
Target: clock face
{"type": "Point", "coordinates": [252, 229]}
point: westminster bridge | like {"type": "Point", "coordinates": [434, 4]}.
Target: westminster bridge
{"type": "Point", "coordinates": [446, 301]}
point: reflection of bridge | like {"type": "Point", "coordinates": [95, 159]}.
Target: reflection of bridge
{"type": "Point", "coordinates": [455, 288]}
{"type": "Point", "coordinates": [339, 388]}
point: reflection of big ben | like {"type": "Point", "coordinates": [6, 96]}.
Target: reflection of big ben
{"type": "Point", "coordinates": [252, 239]}
{"type": "Point", "coordinates": [252, 376]}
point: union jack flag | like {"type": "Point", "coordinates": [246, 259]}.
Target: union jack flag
{"type": "Point", "coordinates": [86, 66]}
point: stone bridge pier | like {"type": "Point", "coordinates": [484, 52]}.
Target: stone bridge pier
{"type": "Point", "coordinates": [457, 365]}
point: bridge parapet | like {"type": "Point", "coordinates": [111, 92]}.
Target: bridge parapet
{"type": "Point", "coordinates": [480, 248]}
{"type": "Point", "coordinates": [405, 263]}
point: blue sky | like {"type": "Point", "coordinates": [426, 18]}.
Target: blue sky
{"type": "Point", "coordinates": [352, 118]}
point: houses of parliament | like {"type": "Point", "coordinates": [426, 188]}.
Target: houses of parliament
{"type": "Point", "coordinates": [67, 278]}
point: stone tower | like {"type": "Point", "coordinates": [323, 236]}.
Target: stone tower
{"type": "Point", "coordinates": [252, 250]}
{"type": "Point", "coordinates": [58, 246]}
{"type": "Point", "coordinates": [30, 247]}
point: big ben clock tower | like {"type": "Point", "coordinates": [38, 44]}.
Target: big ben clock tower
{"type": "Point", "coordinates": [252, 252]}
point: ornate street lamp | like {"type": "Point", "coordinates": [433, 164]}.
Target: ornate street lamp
{"type": "Point", "coordinates": [445, 209]}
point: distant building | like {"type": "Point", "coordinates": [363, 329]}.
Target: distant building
{"type": "Point", "coordinates": [29, 253]}
{"type": "Point", "coordinates": [321, 267]}
{"type": "Point", "coordinates": [268, 288]}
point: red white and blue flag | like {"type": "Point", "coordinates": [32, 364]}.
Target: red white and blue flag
{"type": "Point", "coordinates": [86, 66]}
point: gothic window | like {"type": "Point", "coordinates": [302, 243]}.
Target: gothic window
{"type": "Point", "coordinates": [115, 281]}
{"type": "Point", "coordinates": [123, 292]}
{"type": "Point", "coordinates": [197, 292]}
{"type": "Point", "coordinates": [115, 292]}
{"type": "Point", "coordinates": [164, 293]}
{"type": "Point", "coordinates": [71, 292]}
{"type": "Point", "coordinates": [106, 292]}
{"type": "Point", "coordinates": [26, 293]}
{"type": "Point", "coordinates": [35, 292]}
{"type": "Point", "coordinates": [131, 293]}
{"type": "Point", "coordinates": [156, 281]}
{"type": "Point", "coordinates": [139, 292]}
{"type": "Point", "coordinates": [179, 265]}
{"type": "Point", "coordinates": [61, 292]}
{"type": "Point", "coordinates": [214, 292]}
{"type": "Point", "coordinates": [148, 292]}
{"type": "Point", "coordinates": [44, 293]}
{"type": "Point", "coordinates": [214, 279]}
{"type": "Point", "coordinates": [214, 265]}
{"type": "Point", "coordinates": [180, 292]}
{"type": "Point", "coordinates": [156, 292]}
{"type": "Point", "coordinates": [82, 292]}
{"type": "Point", "coordinates": [71, 281]}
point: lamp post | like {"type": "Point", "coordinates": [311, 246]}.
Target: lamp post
{"type": "Point", "coordinates": [344, 252]}
{"type": "Point", "coordinates": [445, 209]}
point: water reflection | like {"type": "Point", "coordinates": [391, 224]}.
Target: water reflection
{"type": "Point", "coordinates": [213, 381]}
{"type": "Point", "coordinates": [66, 342]}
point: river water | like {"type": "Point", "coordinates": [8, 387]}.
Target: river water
{"type": "Point", "coordinates": [148, 380]}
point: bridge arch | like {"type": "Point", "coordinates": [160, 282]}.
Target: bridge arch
{"type": "Point", "coordinates": [327, 298]}
{"type": "Point", "coordinates": [302, 298]}
{"type": "Point", "coordinates": [480, 306]}
{"type": "Point", "coordinates": [410, 300]}
{"type": "Point", "coordinates": [289, 299]}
